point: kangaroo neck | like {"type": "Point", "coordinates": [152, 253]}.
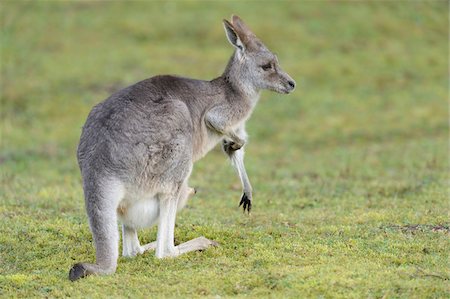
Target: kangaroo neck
{"type": "Point", "coordinates": [236, 77]}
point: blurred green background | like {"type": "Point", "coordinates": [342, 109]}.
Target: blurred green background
{"type": "Point", "coordinates": [350, 171]}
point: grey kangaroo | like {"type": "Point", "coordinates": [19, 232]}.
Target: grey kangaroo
{"type": "Point", "coordinates": [137, 148]}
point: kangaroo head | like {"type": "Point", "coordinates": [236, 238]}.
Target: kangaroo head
{"type": "Point", "coordinates": [254, 64]}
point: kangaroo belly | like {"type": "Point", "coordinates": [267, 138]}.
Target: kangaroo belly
{"type": "Point", "coordinates": [139, 214]}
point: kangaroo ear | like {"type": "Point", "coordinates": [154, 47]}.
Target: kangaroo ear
{"type": "Point", "coordinates": [232, 36]}
{"type": "Point", "coordinates": [240, 26]}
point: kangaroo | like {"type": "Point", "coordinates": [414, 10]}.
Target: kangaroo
{"type": "Point", "coordinates": [137, 149]}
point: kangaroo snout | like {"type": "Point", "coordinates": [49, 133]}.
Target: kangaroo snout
{"type": "Point", "coordinates": [291, 85]}
{"type": "Point", "coordinates": [284, 83]}
{"type": "Point", "coordinates": [288, 84]}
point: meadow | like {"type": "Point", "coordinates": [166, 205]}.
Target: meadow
{"type": "Point", "coordinates": [350, 172]}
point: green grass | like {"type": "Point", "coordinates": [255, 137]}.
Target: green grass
{"type": "Point", "coordinates": [343, 169]}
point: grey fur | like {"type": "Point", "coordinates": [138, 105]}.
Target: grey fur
{"type": "Point", "coordinates": [138, 147]}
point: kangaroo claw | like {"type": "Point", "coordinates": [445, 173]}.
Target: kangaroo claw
{"type": "Point", "coordinates": [246, 202]}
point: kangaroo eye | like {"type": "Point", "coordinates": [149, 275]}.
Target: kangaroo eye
{"type": "Point", "coordinates": [267, 66]}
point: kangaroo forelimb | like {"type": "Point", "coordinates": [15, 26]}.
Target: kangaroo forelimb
{"type": "Point", "coordinates": [237, 160]}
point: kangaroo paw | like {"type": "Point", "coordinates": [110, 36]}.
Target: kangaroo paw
{"type": "Point", "coordinates": [246, 202]}
{"type": "Point", "coordinates": [78, 271]}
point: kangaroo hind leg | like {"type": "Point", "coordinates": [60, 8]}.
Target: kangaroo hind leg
{"type": "Point", "coordinates": [169, 204]}
{"type": "Point", "coordinates": [130, 242]}
{"type": "Point", "coordinates": [102, 199]}
{"type": "Point", "coordinates": [131, 245]}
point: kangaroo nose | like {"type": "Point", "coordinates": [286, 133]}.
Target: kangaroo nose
{"type": "Point", "coordinates": [291, 84]}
